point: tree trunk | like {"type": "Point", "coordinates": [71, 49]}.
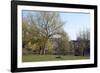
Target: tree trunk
{"type": "Point", "coordinates": [40, 51]}
{"type": "Point", "coordinates": [43, 49]}
{"type": "Point", "coordinates": [83, 52]}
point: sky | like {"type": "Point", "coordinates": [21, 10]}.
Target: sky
{"type": "Point", "coordinates": [74, 22]}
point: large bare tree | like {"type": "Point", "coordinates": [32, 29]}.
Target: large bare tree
{"type": "Point", "coordinates": [47, 24]}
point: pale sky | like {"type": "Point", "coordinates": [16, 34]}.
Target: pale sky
{"type": "Point", "coordinates": [74, 22]}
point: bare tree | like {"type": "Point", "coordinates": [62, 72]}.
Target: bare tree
{"type": "Point", "coordinates": [84, 39]}
{"type": "Point", "coordinates": [47, 24]}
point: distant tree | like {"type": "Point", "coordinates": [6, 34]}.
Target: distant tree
{"type": "Point", "coordinates": [84, 39]}
{"type": "Point", "coordinates": [64, 45]}
{"type": "Point", "coordinates": [84, 35]}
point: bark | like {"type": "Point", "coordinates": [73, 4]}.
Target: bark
{"type": "Point", "coordinates": [43, 49]}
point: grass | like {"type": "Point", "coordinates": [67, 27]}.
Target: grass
{"type": "Point", "coordinates": [34, 58]}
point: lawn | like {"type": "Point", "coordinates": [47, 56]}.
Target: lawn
{"type": "Point", "coordinates": [34, 58]}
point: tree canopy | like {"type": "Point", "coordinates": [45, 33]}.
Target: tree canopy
{"type": "Point", "coordinates": [39, 28]}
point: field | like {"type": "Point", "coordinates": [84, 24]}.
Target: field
{"type": "Point", "coordinates": [35, 58]}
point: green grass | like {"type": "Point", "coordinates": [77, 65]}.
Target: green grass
{"type": "Point", "coordinates": [34, 58]}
